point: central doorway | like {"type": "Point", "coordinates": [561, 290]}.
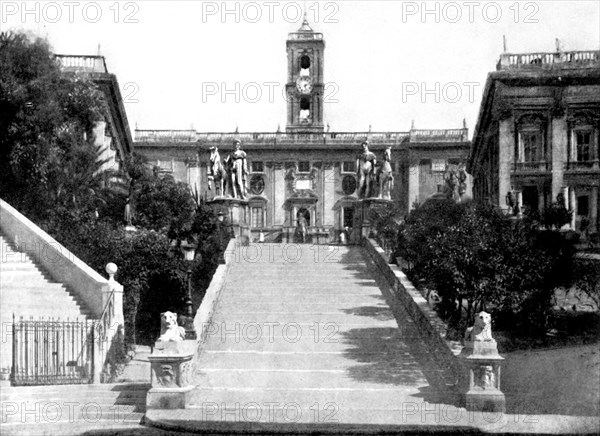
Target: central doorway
{"type": "Point", "coordinates": [304, 213]}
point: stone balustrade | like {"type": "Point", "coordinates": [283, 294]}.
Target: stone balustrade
{"type": "Point", "coordinates": [280, 138]}
{"type": "Point", "coordinates": [88, 64]}
{"type": "Point", "coordinates": [568, 59]}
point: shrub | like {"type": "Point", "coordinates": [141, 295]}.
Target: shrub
{"type": "Point", "coordinates": [475, 255]}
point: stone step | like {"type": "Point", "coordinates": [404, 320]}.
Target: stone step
{"type": "Point", "coordinates": [67, 305]}
{"type": "Point", "coordinates": [34, 287]}
{"type": "Point", "coordinates": [70, 413]}
{"type": "Point", "coordinates": [322, 360]}
{"type": "Point", "coordinates": [112, 425]}
{"type": "Point", "coordinates": [288, 338]}
{"type": "Point", "coordinates": [287, 306]}
{"type": "Point", "coordinates": [387, 398]}
{"type": "Point", "coordinates": [8, 267]}
{"type": "Point", "coordinates": [251, 301]}
{"type": "Point", "coordinates": [304, 318]}
{"type": "Point", "coordinates": [365, 377]}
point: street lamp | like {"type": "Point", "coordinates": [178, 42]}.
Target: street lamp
{"type": "Point", "coordinates": [220, 219]}
{"type": "Point", "coordinates": [189, 254]}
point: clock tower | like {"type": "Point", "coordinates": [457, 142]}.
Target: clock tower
{"type": "Point", "coordinates": [305, 88]}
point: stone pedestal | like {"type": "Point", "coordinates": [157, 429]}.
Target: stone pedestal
{"type": "Point", "coordinates": [361, 227]}
{"type": "Point", "coordinates": [237, 212]}
{"type": "Point", "coordinates": [171, 374]}
{"type": "Point", "coordinates": [480, 382]}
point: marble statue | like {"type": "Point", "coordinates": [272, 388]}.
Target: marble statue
{"type": "Point", "coordinates": [365, 167]}
{"type": "Point", "coordinates": [386, 179]}
{"type": "Point", "coordinates": [170, 331]}
{"type": "Point", "coordinates": [481, 329]}
{"type": "Point", "coordinates": [128, 217]}
{"type": "Point", "coordinates": [238, 171]}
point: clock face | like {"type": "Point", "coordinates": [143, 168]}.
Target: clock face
{"type": "Point", "coordinates": [304, 84]}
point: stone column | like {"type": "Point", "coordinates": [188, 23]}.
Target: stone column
{"type": "Point", "coordinates": [565, 193]}
{"type": "Point", "coordinates": [193, 175]}
{"type": "Point", "coordinates": [328, 194]}
{"type": "Point", "coordinates": [506, 149]}
{"type": "Point", "coordinates": [558, 146]}
{"type": "Point", "coordinates": [413, 183]}
{"type": "Point", "coordinates": [279, 187]}
{"type": "Point", "coordinates": [594, 210]}
{"type": "Point", "coordinates": [573, 204]}
{"type": "Point", "coordinates": [520, 203]}
{"type": "Point", "coordinates": [541, 198]}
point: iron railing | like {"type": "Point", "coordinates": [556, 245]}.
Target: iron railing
{"type": "Point", "coordinates": [52, 351]}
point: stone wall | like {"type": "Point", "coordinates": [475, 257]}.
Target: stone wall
{"type": "Point", "coordinates": [431, 327]}
{"type": "Point", "coordinates": [63, 266]}
{"type": "Point", "coordinates": [205, 312]}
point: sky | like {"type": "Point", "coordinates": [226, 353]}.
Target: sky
{"type": "Point", "coordinates": [216, 66]}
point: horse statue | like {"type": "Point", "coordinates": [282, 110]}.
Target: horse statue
{"type": "Point", "coordinates": [217, 172]}
{"type": "Point", "coordinates": [384, 176]}
{"type": "Point", "coordinates": [365, 167]}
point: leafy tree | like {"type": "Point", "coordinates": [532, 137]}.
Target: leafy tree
{"type": "Point", "coordinates": [556, 215]}
{"type": "Point", "coordinates": [587, 282]}
{"type": "Point", "coordinates": [47, 156]}
{"type": "Point", "coordinates": [166, 205]}
{"type": "Point", "coordinates": [475, 255]}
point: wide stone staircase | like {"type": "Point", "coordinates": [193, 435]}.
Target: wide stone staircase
{"type": "Point", "coordinates": [72, 409]}
{"type": "Point", "coordinates": [304, 339]}
{"type": "Point", "coordinates": [26, 290]}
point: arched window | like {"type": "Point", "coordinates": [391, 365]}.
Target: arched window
{"type": "Point", "coordinates": [304, 109]}
{"type": "Point", "coordinates": [304, 65]}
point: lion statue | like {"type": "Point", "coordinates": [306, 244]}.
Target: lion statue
{"type": "Point", "coordinates": [170, 331]}
{"type": "Point", "coordinates": [481, 330]}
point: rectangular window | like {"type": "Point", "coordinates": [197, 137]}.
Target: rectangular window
{"type": "Point", "coordinates": [438, 165]}
{"type": "Point", "coordinates": [303, 167]}
{"type": "Point", "coordinates": [257, 217]}
{"type": "Point", "coordinates": [531, 146]}
{"type": "Point", "coordinates": [258, 167]}
{"type": "Point", "coordinates": [349, 167]}
{"type": "Point", "coordinates": [583, 144]}
{"type": "Point", "coordinates": [165, 165]}
{"type": "Point", "coordinates": [583, 206]}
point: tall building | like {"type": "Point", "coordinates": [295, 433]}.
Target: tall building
{"type": "Point", "coordinates": [112, 135]}
{"type": "Point", "coordinates": [307, 170]}
{"type": "Point", "coordinates": [537, 135]}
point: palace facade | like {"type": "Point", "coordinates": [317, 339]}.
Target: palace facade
{"type": "Point", "coordinates": [537, 138]}
{"type": "Point", "coordinates": [306, 170]}
{"type": "Point", "coordinates": [113, 135]}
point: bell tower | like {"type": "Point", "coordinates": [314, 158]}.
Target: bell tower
{"type": "Point", "coordinates": [305, 88]}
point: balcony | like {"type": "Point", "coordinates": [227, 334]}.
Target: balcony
{"type": "Point", "coordinates": [87, 64]}
{"type": "Point", "coordinates": [582, 166]}
{"type": "Point", "coordinates": [533, 167]}
{"type": "Point", "coordinates": [549, 61]}
{"type": "Point", "coordinates": [444, 135]}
